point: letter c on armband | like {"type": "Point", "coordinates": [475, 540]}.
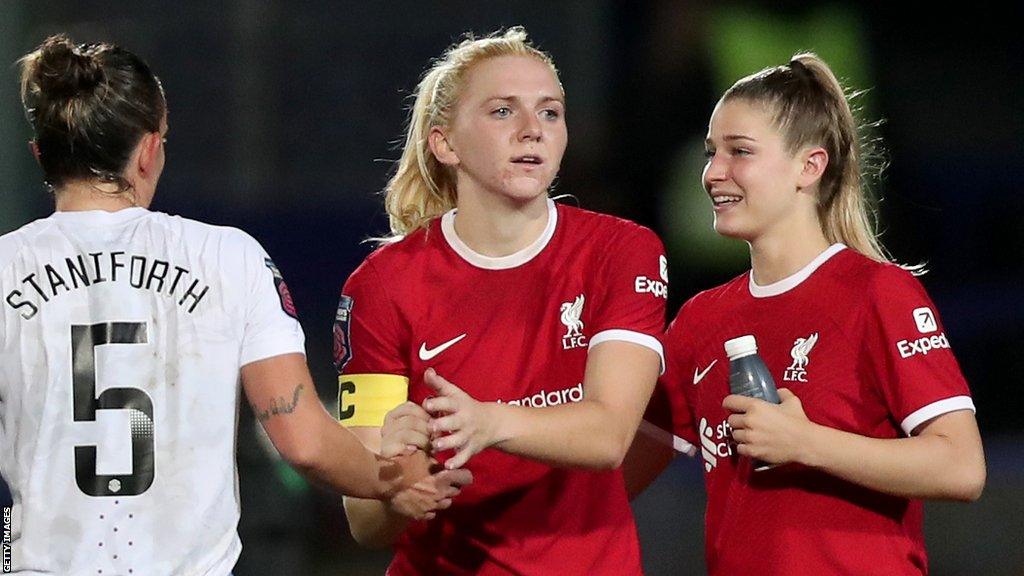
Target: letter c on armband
{"type": "Point", "coordinates": [364, 399]}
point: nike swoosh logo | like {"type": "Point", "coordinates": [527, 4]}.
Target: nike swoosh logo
{"type": "Point", "coordinates": [698, 376]}
{"type": "Point", "coordinates": [429, 353]}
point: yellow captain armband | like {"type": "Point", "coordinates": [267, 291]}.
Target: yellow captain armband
{"type": "Point", "coordinates": [364, 399]}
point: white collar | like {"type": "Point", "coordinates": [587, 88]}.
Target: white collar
{"type": "Point", "coordinates": [503, 262]}
{"type": "Point", "coordinates": [794, 280]}
{"type": "Point", "coordinates": [99, 217]}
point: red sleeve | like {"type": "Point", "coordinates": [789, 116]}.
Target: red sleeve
{"type": "Point", "coordinates": [367, 333]}
{"type": "Point", "coordinates": [911, 357]}
{"type": "Point", "coordinates": [634, 276]}
{"type": "Point", "coordinates": [674, 385]}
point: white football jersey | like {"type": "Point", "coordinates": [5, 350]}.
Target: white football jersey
{"type": "Point", "coordinates": [121, 339]}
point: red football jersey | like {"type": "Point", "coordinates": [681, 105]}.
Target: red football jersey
{"type": "Point", "coordinates": [514, 329]}
{"type": "Point", "coordinates": [860, 343]}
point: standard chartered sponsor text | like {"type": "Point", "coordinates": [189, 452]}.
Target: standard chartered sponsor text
{"type": "Point", "coordinates": [553, 398]}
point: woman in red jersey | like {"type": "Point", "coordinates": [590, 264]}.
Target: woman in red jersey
{"type": "Point", "coordinates": [875, 413]}
{"type": "Point", "coordinates": [521, 302]}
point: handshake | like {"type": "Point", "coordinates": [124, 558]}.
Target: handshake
{"type": "Point", "coordinates": [412, 433]}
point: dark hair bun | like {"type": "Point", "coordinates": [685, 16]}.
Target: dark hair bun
{"type": "Point", "coordinates": [89, 104]}
{"type": "Point", "coordinates": [66, 70]}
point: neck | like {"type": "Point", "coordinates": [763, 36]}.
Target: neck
{"type": "Point", "coordinates": [774, 257]}
{"type": "Point", "coordinates": [498, 227]}
{"type": "Point", "coordinates": [79, 196]}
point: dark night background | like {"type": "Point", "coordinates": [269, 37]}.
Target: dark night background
{"type": "Point", "coordinates": [284, 121]}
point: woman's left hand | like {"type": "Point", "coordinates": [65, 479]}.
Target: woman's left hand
{"type": "Point", "coordinates": [777, 434]}
{"type": "Point", "coordinates": [459, 422]}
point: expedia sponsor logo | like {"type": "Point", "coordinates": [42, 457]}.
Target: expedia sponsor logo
{"type": "Point", "coordinates": [645, 285]}
{"type": "Point", "coordinates": [908, 348]}
{"type": "Point", "coordinates": [925, 320]}
{"type": "Point", "coordinates": [553, 398]}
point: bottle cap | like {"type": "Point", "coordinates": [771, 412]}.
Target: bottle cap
{"type": "Point", "coordinates": [739, 347]}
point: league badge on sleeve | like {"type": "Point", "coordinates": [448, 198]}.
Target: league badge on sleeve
{"type": "Point", "coordinates": [282, 290]}
{"type": "Point", "coordinates": [342, 333]}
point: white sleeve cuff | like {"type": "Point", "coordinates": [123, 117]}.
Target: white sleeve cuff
{"type": "Point", "coordinates": [922, 415]}
{"type": "Point", "coordinates": [683, 446]}
{"type": "Point", "coordinates": [644, 340]}
{"type": "Point", "coordinates": [667, 438]}
{"type": "Point", "coordinates": [271, 348]}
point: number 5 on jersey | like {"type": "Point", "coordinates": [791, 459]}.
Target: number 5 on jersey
{"type": "Point", "coordinates": [84, 340]}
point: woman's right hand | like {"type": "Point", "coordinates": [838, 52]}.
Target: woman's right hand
{"type": "Point", "coordinates": [461, 423]}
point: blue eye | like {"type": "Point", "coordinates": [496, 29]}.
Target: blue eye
{"type": "Point", "coordinates": [551, 114]}
{"type": "Point", "coordinates": [503, 112]}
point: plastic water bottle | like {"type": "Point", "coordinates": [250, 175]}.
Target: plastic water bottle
{"type": "Point", "coordinates": [748, 376]}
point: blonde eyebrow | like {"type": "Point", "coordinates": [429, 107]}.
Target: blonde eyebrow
{"type": "Point", "coordinates": [543, 100]}
{"type": "Point", "coordinates": [730, 138]}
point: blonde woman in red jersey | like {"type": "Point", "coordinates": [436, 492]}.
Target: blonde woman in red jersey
{"type": "Point", "coordinates": [875, 414]}
{"type": "Point", "coordinates": [547, 318]}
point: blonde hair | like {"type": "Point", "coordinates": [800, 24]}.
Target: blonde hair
{"type": "Point", "coordinates": [422, 188]}
{"type": "Point", "coordinates": [810, 108]}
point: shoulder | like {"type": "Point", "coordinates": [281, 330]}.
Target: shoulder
{"type": "Point", "coordinates": [604, 227]}
{"type": "Point", "coordinates": [231, 255]}
{"type": "Point", "coordinates": [12, 243]}
{"type": "Point", "coordinates": [704, 306]}
{"type": "Point", "coordinates": [225, 244]}
{"type": "Point", "coordinates": [608, 242]}
{"type": "Point", "coordinates": [703, 313]}
{"type": "Point", "coordinates": [190, 228]}
{"type": "Point", "coordinates": [393, 256]}
{"type": "Point", "coordinates": [402, 251]}
{"type": "Point", "coordinates": [858, 274]}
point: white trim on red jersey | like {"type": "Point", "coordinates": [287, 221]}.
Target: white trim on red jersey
{"type": "Point", "coordinates": [630, 336]}
{"type": "Point", "coordinates": [515, 326]}
{"type": "Point", "coordinates": [684, 447]}
{"type": "Point", "coordinates": [667, 438]}
{"type": "Point", "coordinates": [790, 282]}
{"type": "Point", "coordinates": [503, 262]}
{"type": "Point", "coordinates": [936, 409]}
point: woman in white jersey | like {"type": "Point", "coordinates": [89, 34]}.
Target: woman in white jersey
{"type": "Point", "coordinates": [875, 413]}
{"type": "Point", "coordinates": [123, 336]}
